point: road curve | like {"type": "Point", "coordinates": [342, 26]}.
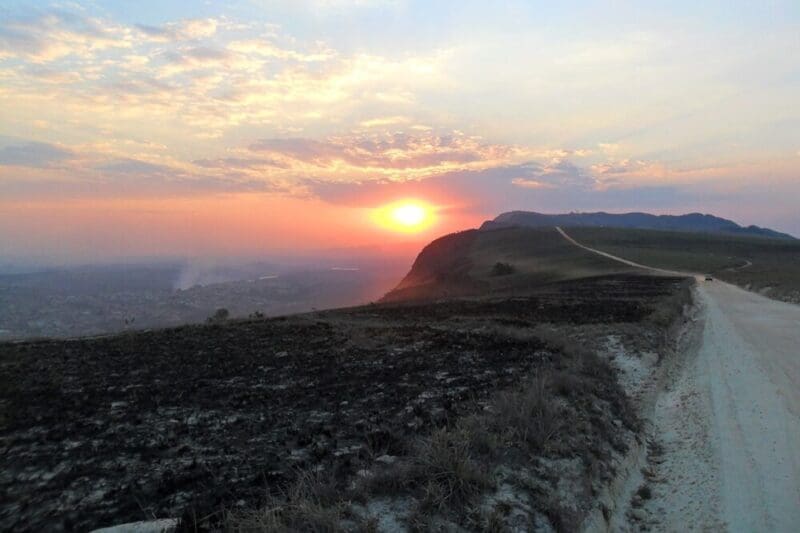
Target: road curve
{"type": "Point", "coordinates": [732, 424]}
{"type": "Point", "coordinates": [621, 260]}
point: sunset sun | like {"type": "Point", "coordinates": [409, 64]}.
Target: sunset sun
{"type": "Point", "coordinates": [408, 216]}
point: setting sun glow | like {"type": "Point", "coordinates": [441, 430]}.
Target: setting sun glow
{"type": "Point", "coordinates": [408, 216]}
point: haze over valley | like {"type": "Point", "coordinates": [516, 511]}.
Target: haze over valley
{"type": "Point", "coordinates": [93, 300]}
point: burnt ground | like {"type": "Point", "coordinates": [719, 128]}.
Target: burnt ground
{"type": "Point", "coordinates": [100, 431]}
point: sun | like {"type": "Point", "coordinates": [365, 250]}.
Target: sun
{"type": "Point", "coordinates": [407, 216]}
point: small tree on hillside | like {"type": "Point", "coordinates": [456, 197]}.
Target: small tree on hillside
{"type": "Point", "coordinates": [220, 315]}
{"type": "Point", "coordinates": [502, 269]}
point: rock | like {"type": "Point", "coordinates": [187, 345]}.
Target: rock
{"type": "Point", "coordinates": [415, 423]}
{"type": "Point", "coordinates": [164, 525]}
{"type": "Point", "coordinates": [386, 459]}
{"type": "Point", "coordinates": [639, 514]}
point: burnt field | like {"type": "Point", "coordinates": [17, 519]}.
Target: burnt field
{"type": "Point", "coordinates": [602, 299]}
{"type": "Point", "coordinates": [198, 419]}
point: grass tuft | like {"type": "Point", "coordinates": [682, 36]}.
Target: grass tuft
{"type": "Point", "coordinates": [311, 504]}
{"type": "Point", "coordinates": [529, 415]}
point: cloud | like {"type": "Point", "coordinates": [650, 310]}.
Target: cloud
{"type": "Point", "coordinates": [52, 75]}
{"type": "Point", "coordinates": [307, 150]}
{"type": "Point", "coordinates": [384, 121]}
{"type": "Point", "coordinates": [54, 33]}
{"type": "Point", "coordinates": [199, 57]}
{"type": "Point", "coordinates": [521, 186]}
{"type": "Point", "coordinates": [618, 170]}
{"type": "Point", "coordinates": [26, 171]}
{"type": "Point", "coordinates": [267, 49]}
{"type": "Point", "coordinates": [33, 154]}
{"type": "Point", "coordinates": [609, 148]}
{"type": "Point", "coordinates": [325, 5]}
{"type": "Point", "coordinates": [238, 163]}
{"type": "Point", "coordinates": [565, 174]}
{"type": "Point", "coordinates": [448, 188]}
{"type": "Point", "coordinates": [203, 77]}
{"type": "Point", "coordinates": [528, 183]}
{"type": "Point", "coordinates": [395, 151]}
{"type": "Point", "coordinates": [621, 166]}
{"type": "Point", "coordinates": [134, 166]}
{"type": "Point", "coordinates": [180, 31]}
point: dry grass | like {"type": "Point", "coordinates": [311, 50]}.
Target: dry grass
{"type": "Point", "coordinates": [528, 415]}
{"type": "Point", "coordinates": [482, 441]}
{"type": "Point", "coordinates": [445, 469]}
{"type": "Point", "coordinates": [449, 473]}
{"type": "Point", "coordinates": [671, 308]}
{"type": "Point", "coordinates": [311, 504]}
{"type": "Point", "coordinates": [451, 469]}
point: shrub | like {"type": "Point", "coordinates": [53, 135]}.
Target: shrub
{"type": "Point", "coordinates": [502, 269]}
{"type": "Point", "coordinates": [220, 315]}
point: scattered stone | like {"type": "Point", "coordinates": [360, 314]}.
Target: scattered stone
{"type": "Point", "coordinates": [164, 525]}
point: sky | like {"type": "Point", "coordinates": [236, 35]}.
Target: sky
{"type": "Point", "coordinates": [251, 127]}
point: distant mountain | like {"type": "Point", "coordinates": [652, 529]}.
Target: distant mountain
{"type": "Point", "coordinates": [693, 222]}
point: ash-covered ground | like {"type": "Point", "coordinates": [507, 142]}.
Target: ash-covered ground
{"type": "Point", "coordinates": [197, 419]}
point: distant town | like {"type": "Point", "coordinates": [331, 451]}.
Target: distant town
{"type": "Point", "coordinates": [100, 300]}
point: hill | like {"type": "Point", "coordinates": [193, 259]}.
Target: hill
{"type": "Point", "coordinates": [692, 222]}
{"type": "Point", "coordinates": [768, 266]}
{"type": "Point", "coordinates": [497, 262]}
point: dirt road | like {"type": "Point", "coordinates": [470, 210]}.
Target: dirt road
{"type": "Point", "coordinates": [725, 453]}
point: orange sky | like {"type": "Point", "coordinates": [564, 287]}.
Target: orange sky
{"type": "Point", "coordinates": [176, 128]}
{"type": "Point", "coordinates": [233, 225]}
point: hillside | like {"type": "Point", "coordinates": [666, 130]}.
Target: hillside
{"type": "Point", "coordinates": [466, 264]}
{"type": "Point", "coordinates": [768, 266]}
{"type": "Point", "coordinates": [470, 413]}
{"type": "Point", "coordinates": [693, 222]}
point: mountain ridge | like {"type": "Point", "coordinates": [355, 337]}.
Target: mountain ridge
{"type": "Point", "coordinates": [690, 222]}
